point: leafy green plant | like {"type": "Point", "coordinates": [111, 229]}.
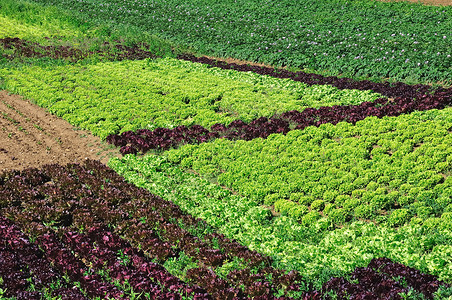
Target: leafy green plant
{"type": "Point", "coordinates": [398, 217]}
{"type": "Point", "coordinates": [318, 205]}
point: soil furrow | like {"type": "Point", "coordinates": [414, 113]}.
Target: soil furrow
{"type": "Point", "coordinates": [31, 137]}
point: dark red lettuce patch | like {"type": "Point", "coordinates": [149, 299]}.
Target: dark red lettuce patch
{"type": "Point", "coordinates": [24, 269]}
{"type": "Point", "coordinates": [424, 283]}
{"type": "Point", "coordinates": [381, 279]}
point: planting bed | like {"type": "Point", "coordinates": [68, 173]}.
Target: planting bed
{"type": "Point", "coordinates": [182, 93]}
{"type": "Point", "coordinates": [237, 180]}
{"type": "Point", "coordinates": [75, 214]}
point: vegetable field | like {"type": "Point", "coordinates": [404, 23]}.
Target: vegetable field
{"type": "Point", "coordinates": [234, 150]}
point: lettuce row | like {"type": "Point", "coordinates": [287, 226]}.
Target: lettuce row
{"type": "Point", "coordinates": [361, 171]}
{"type": "Point", "coordinates": [317, 250]}
{"type": "Point", "coordinates": [162, 93]}
{"type": "Point", "coordinates": [79, 203]}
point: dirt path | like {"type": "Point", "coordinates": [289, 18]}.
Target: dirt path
{"type": "Point", "coordinates": [32, 137]}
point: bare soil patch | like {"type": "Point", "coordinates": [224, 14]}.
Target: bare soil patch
{"type": "Point", "coordinates": [32, 137]}
{"type": "Point", "coordinates": [18, 48]}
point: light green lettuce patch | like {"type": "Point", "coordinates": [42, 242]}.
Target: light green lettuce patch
{"type": "Point", "coordinates": [318, 251]}
{"type": "Point", "coordinates": [113, 97]}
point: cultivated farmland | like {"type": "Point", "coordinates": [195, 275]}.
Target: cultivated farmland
{"type": "Point", "coordinates": [225, 150]}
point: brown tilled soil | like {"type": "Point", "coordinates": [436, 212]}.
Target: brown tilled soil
{"type": "Point", "coordinates": [31, 137]}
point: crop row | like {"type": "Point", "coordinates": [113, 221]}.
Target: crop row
{"type": "Point", "coordinates": [406, 99]}
{"type": "Point", "coordinates": [93, 198]}
{"type": "Point", "coordinates": [163, 93]}
{"type": "Point", "coordinates": [318, 252]}
{"type": "Point", "coordinates": [144, 140]}
{"type": "Point", "coordinates": [380, 281]}
{"type": "Point", "coordinates": [388, 89]}
{"type": "Point", "coordinates": [15, 47]}
{"type": "Point", "coordinates": [69, 258]}
{"type": "Point", "coordinates": [327, 202]}
{"type": "Point", "coordinates": [398, 40]}
{"type": "Point", "coordinates": [399, 164]}
{"type": "Point", "coordinates": [24, 272]}
{"type": "Point", "coordinates": [40, 20]}
{"type": "Point", "coordinates": [72, 213]}
{"type": "Point", "coordinates": [112, 258]}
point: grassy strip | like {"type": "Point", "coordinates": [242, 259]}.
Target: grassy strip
{"type": "Point", "coordinates": [37, 23]}
{"type": "Point", "coordinates": [14, 28]}
{"type": "Point", "coordinates": [180, 93]}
